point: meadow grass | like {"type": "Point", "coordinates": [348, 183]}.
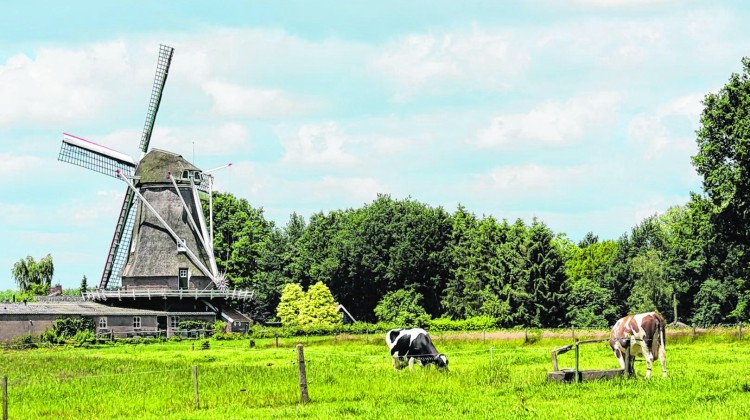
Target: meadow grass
{"type": "Point", "coordinates": [352, 377]}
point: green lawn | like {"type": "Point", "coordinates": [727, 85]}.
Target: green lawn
{"type": "Point", "coordinates": [352, 377]}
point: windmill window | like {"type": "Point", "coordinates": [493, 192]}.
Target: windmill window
{"type": "Point", "coordinates": [103, 322]}
{"type": "Point", "coordinates": [136, 322]}
{"type": "Point", "coordinates": [197, 177]}
{"type": "Point", "coordinates": [174, 322]}
{"type": "Point", "coordinates": [185, 174]}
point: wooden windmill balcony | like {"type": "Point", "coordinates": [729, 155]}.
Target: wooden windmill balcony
{"type": "Point", "coordinates": [154, 293]}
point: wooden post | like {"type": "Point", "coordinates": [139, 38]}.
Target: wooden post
{"type": "Point", "coordinates": [304, 398]}
{"type": "Point", "coordinates": [576, 368]}
{"type": "Point", "coordinates": [740, 330]}
{"type": "Point", "coordinates": [693, 331]}
{"type": "Point", "coordinates": [573, 332]}
{"type": "Point", "coordinates": [5, 398]}
{"type": "Point", "coordinates": [526, 336]}
{"type": "Point", "coordinates": [554, 360]}
{"type": "Point", "coordinates": [276, 334]}
{"type": "Point", "coordinates": [628, 367]}
{"type": "Point", "coordinates": [674, 303]}
{"type": "Point", "coordinates": [195, 387]}
{"type": "Point", "coordinates": [484, 339]}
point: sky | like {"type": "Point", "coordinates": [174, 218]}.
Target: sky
{"type": "Point", "coordinates": [581, 113]}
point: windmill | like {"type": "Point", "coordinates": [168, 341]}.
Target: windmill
{"type": "Point", "coordinates": [161, 238]}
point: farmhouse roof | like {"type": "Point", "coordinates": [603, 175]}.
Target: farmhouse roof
{"type": "Point", "coordinates": [80, 309]}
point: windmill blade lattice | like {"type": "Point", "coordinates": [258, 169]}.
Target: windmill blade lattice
{"type": "Point", "coordinates": [162, 71]}
{"type": "Point", "coordinates": [120, 246]}
{"type": "Point", "coordinates": [92, 156]}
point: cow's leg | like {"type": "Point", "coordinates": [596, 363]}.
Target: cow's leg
{"type": "Point", "coordinates": [663, 360]}
{"type": "Point", "coordinates": [396, 364]}
{"type": "Point", "coordinates": [649, 356]}
{"type": "Point", "coordinates": [411, 363]}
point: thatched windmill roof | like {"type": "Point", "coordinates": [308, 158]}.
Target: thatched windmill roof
{"type": "Point", "coordinates": [156, 164]}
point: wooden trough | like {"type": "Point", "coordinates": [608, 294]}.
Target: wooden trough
{"type": "Point", "coordinates": [577, 375]}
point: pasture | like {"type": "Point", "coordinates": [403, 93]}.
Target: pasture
{"type": "Point", "coordinates": [352, 377]}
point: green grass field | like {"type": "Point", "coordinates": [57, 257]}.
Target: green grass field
{"type": "Point", "coordinates": [352, 377]}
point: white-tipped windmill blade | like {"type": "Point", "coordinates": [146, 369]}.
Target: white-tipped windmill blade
{"type": "Point", "coordinates": [101, 159]}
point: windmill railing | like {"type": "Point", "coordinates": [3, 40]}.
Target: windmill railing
{"type": "Point", "coordinates": [149, 293]}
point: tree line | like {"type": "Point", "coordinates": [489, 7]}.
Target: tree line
{"type": "Point", "coordinates": [695, 257]}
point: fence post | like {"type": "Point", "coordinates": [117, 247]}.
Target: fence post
{"type": "Point", "coordinates": [276, 334]}
{"type": "Point", "coordinates": [526, 336]}
{"type": "Point", "coordinates": [5, 398]}
{"type": "Point", "coordinates": [304, 398]}
{"type": "Point", "coordinates": [573, 332]}
{"type": "Point", "coordinates": [484, 339]}
{"type": "Point", "coordinates": [195, 387]}
{"type": "Point", "coordinates": [740, 330]}
{"type": "Point", "coordinates": [576, 368]}
{"type": "Point", "coordinates": [693, 331]}
{"type": "Point", "coordinates": [628, 362]}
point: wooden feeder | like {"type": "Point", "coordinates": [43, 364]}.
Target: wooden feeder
{"type": "Point", "coordinates": [577, 375]}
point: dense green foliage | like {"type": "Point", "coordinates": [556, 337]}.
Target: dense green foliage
{"type": "Point", "coordinates": [352, 377]}
{"type": "Point", "coordinates": [73, 329]}
{"type": "Point", "coordinates": [311, 310]}
{"type": "Point", "coordinates": [402, 307]}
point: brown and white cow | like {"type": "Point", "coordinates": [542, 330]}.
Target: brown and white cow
{"type": "Point", "coordinates": [646, 330]}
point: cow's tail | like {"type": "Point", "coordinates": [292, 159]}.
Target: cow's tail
{"type": "Point", "coordinates": [663, 333]}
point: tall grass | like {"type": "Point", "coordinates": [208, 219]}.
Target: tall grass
{"type": "Point", "coordinates": [352, 377]}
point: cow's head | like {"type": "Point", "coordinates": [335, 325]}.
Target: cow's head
{"type": "Point", "coordinates": [441, 361]}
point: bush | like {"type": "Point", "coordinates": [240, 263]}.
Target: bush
{"type": "Point", "coordinates": [402, 307]}
{"type": "Point", "coordinates": [76, 330]}
{"type": "Point", "coordinates": [219, 328]}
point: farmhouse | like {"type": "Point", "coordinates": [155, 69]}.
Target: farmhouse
{"type": "Point", "coordinates": [18, 319]}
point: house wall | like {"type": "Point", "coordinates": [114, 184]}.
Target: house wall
{"type": "Point", "coordinates": [13, 326]}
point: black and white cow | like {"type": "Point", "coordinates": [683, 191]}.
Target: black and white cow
{"type": "Point", "coordinates": [646, 330]}
{"type": "Point", "coordinates": [408, 346]}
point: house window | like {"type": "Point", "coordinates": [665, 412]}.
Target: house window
{"type": "Point", "coordinates": [136, 322]}
{"type": "Point", "coordinates": [174, 322]}
{"type": "Point", "coordinates": [103, 322]}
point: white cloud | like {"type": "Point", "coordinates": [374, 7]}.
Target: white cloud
{"type": "Point", "coordinates": [318, 145]}
{"type": "Point", "coordinates": [430, 63]}
{"type": "Point", "coordinates": [552, 123]}
{"type": "Point", "coordinates": [235, 100]}
{"type": "Point", "coordinates": [353, 190]}
{"type": "Point", "coordinates": [522, 181]}
{"type": "Point", "coordinates": [60, 84]}
{"type": "Point", "coordinates": [652, 133]}
{"type": "Point", "coordinates": [19, 167]}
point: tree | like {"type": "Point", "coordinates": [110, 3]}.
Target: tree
{"type": "Point", "coordinates": [84, 285]}
{"type": "Point", "coordinates": [402, 307]}
{"type": "Point", "coordinates": [651, 291]}
{"type": "Point", "coordinates": [289, 304]}
{"type": "Point", "coordinates": [723, 160]}
{"type": "Point", "coordinates": [547, 279]}
{"type": "Point", "coordinates": [33, 276]}
{"type": "Point", "coordinates": [318, 308]}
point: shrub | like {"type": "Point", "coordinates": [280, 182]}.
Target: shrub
{"type": "Point", "coordinates": [402, 307]}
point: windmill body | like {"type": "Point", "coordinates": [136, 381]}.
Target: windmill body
{"type": "Point", "coordinates": [157, 258]}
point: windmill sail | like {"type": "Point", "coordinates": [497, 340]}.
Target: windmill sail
{"type": "Point", "coordinates": [94, 156]}
{"type": "Point", "coordinates": [120, 246]}
{"type": "Point", "coordinates": [162, 71]}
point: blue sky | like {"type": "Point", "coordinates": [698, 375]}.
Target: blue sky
{"type": "Point", "coordinates": [581, 113]}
